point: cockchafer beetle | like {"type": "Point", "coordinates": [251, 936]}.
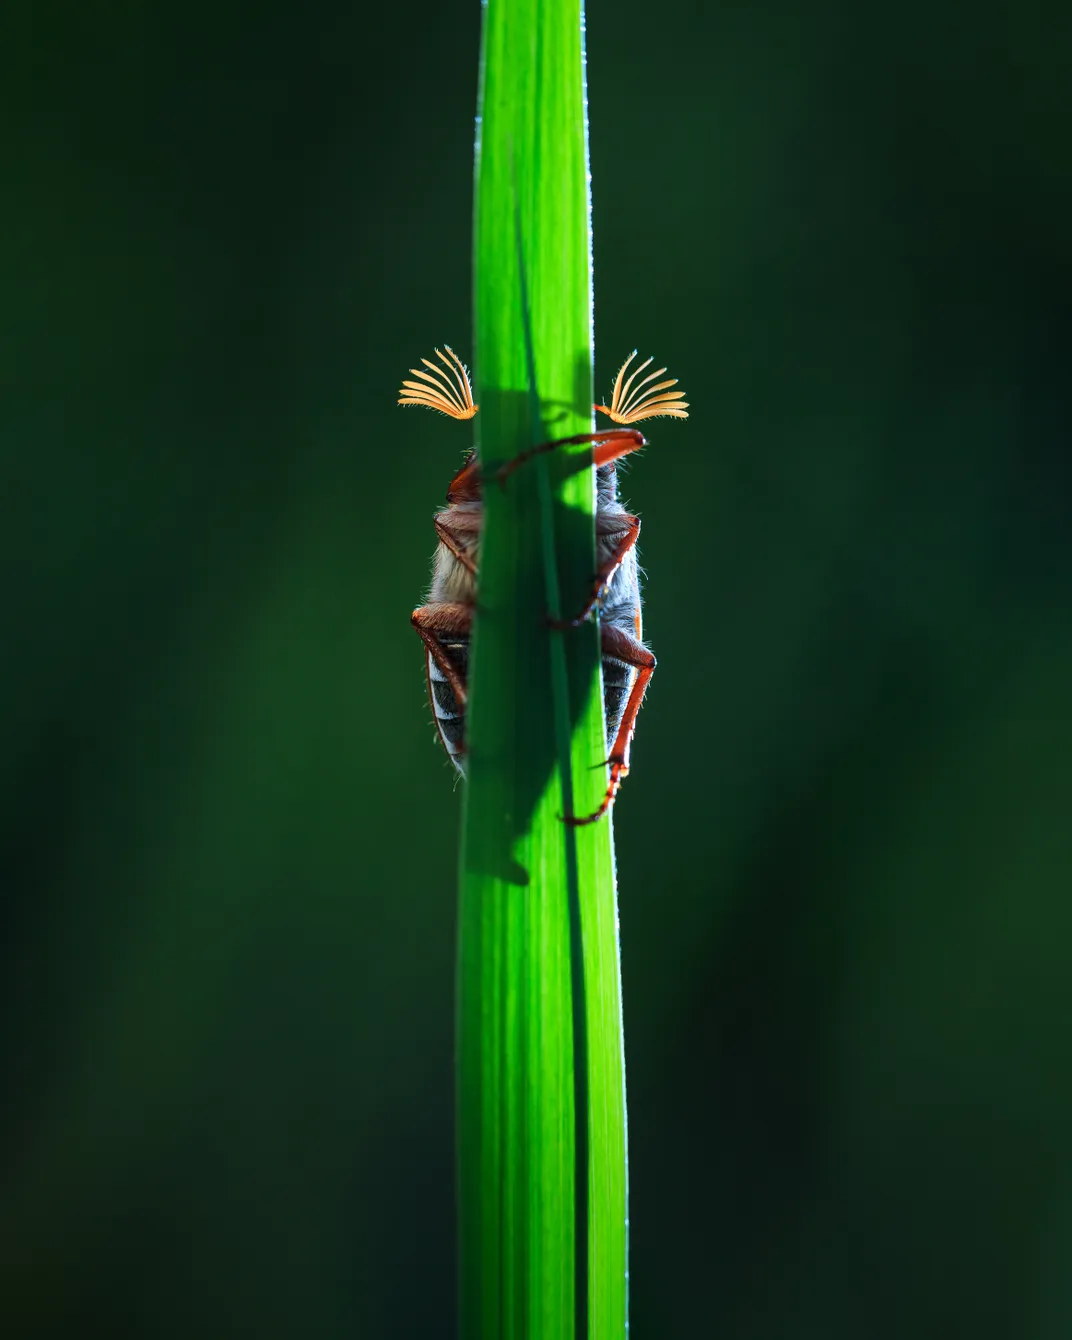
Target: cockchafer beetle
{"type": "Point", "coordinates": [445, 620]}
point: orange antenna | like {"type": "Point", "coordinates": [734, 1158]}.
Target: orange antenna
{"type": "Point", "coordinates": [449, 392]}
{"type": "Point", "coordinates": [630, 404]}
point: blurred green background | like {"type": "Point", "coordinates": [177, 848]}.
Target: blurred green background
{"type": "Point", "coordinates": [230, 836]}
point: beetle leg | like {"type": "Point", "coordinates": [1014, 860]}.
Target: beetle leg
{"type": "Point", "coordinates": [605, 573]}
{"type": "Point", "coordinates": [621, 647]}
{"type": "Point", "coordinates": [432, 620]}
{"type": "Point", "coordinates": [614, 446]}
{"type": "Point", "coordinates": [609, 445]}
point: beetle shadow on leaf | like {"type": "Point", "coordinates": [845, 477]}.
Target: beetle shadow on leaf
{"type": "Point", "coordinates": [518, 766]}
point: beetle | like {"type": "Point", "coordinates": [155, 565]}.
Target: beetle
{"type": "Point", "coordinates": [444, 622]}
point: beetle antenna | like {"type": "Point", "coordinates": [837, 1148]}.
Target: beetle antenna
{"type": "Point", "coordinates": [449, 392]}
{"type": "Point", "coordinates": [630, 404]}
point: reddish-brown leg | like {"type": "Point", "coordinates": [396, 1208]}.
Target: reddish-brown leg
{"type": "Point", "coordinates": [430, 622]}
{"type": "Point", "coordinates": [607, 446]}
{"type": "Point", "coordinates": [451, 537]}
{"type": "Point", "coordinates": [623, 648]}
{"type": "Point", "coordinates": [605, 573]}
{"type": "Point", "coordinates": [613, 446]}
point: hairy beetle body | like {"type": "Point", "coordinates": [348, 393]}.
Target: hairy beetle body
{"type": "Point", "coordinates": [444, 622]}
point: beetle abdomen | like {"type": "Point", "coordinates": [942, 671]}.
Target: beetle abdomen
{"type": "Point", "coordinates": [449, 714]}
{"type": "Point", "coordinates": [617, 681]}
{"type": "Point", "coordinates": [450, 717]}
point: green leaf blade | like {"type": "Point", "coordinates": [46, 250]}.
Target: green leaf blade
{"type": "Point", "coordinates": [540, 1064]}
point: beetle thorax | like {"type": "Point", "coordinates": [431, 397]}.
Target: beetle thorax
{"type": "Point", "coordinates": [452, 581]}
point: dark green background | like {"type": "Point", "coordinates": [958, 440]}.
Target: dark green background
{"type": "Point", "coordinates": [230, 837]}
